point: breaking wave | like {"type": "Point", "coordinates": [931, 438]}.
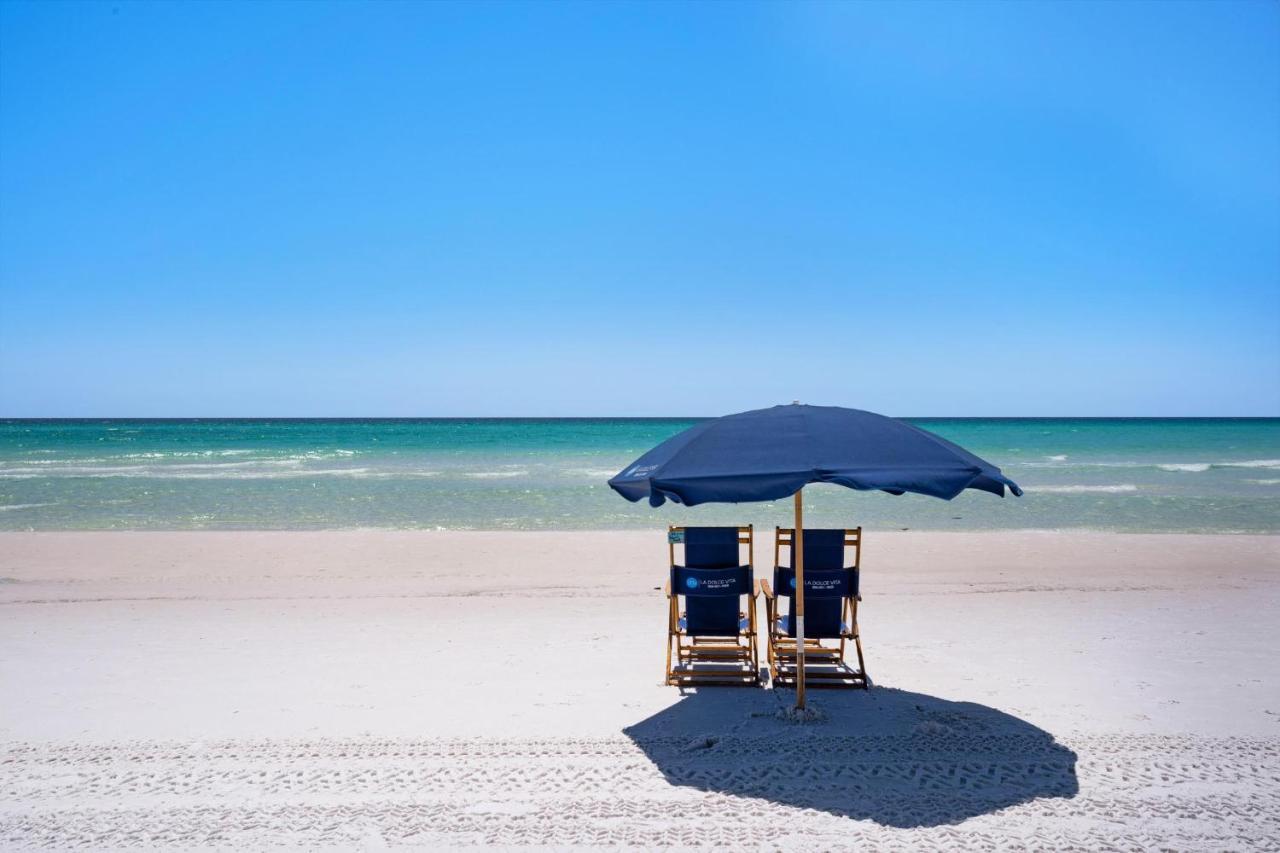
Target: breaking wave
{"type": "Point", "coordinates": [1180, 467]}
{"type": "Point", "coordinates": [1071, 490]}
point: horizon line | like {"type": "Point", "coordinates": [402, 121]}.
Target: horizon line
{"type": "Point", "coordinates": [587, 417]}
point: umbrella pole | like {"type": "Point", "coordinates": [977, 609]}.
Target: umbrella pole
{"type": "Point", "coordinates": [797, 552]}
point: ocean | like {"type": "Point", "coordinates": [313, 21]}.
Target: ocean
{"type": "Point", "coordinates": [1132, 474]}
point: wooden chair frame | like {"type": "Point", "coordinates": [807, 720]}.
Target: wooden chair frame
{"type": "Point", "coordinates": [723, 660]}
{"type": "Point", "coordinates": [824, 666]}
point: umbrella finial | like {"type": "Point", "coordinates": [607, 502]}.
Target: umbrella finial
{"type": "Point", "coordinates": [795, 402]}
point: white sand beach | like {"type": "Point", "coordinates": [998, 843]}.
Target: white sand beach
{"type": "Point", "coordinates": [369, 689]}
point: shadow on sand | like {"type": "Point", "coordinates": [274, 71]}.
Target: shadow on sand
{"type": "Point", "coordinates": [898, 758]}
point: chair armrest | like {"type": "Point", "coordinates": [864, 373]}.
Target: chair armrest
{"type": "Point", "coordinates": [666, 588]}
{"type": "Point", "coordinates": [764, 587]}
{"type": "Point", "coordinates": [755, 589]}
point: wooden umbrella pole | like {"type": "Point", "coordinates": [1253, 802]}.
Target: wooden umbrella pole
{"type": "Point", "coordinates": [797, 551]}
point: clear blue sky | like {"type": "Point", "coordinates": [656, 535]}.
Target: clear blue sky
{"type": "Point", "coordinates": [630, 209]}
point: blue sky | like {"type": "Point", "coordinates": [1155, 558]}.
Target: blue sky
{"type": "Point", "coordinates": [639, 209]}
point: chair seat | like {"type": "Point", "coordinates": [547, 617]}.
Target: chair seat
{"type": "Point", "coordinates": [784, 624]}
{"type": "Point", "coordinates": [744, 625]}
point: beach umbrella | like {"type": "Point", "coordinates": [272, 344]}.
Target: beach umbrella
{"type": "Point", "coordinates": [767, 454]}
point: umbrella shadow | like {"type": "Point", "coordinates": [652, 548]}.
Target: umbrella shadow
{"type": "Point", "coordinates": [898, 758]}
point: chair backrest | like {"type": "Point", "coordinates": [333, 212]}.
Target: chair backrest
{"type": "Point", "coordinates": [828, 582]}
{"type": "Point", "coordinates": [712, 576]}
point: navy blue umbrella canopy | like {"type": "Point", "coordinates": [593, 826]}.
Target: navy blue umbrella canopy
{"type": "Point", "coordinates": [768, 454]}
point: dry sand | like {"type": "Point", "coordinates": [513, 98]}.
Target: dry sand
{"type": "Point", "coordinates": [348, 690]}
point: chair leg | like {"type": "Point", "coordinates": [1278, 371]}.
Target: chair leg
{"type": "Point", "coordinates": [669, 673]}
{"type": "Point", "coordinates": [862, 666]}
{"type": "Point", "coordinates": [772, 653]}
{"type": "Point", "coordinates": [755, 659]}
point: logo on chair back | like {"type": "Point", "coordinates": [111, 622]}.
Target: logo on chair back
{"type": "Point", "coordinates": [675, 537]}
{"type": "Point", "coordinates": [711, 584]}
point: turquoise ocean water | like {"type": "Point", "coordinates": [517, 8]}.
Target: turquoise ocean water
{"type": "Point", "coordinates": [1103, 474]}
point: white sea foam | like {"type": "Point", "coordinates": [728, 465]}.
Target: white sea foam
{"type": "Point", "coordinates": [1271, 481]}
{"type": "Point", "coordinates": [142, 470]}
{"type": "Point", "coordinates": [1059, 464]}
{"type": "Point", "coordinates": [185, 472]}
{"type": "Point", "coordinates": [290, 474]}
{"type": "Point", "coordinates": [1195, 467]}
{"type": "Point", "coordinates": [60, 461]}
{"type": "Point", "coordinates": [23, 506]}
{"type": "Point", "coordinates": [216, 466]}
{"type": "Point", "coordinates": [324, 454]}
{"type": "Point", "coordinates": [1071, 490]}
{"type": "Point", "coordinates": [179, 454]}
{"type": "Point", "coordinates": [255, 470]}
{"type": "Point", "coordinates": [1060, 458]}
{"type": "Point", "coordinates": [226, 471]}
{"type": "Point", "coordinates": [486, 475]}
{"type": "Point", "coordinates": [593, 473]}
{"type": "Point", "coordinates": [1198, 467]}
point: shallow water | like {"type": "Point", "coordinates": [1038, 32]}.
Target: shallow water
{"type": "Point", "coordinates": [1109, 474]}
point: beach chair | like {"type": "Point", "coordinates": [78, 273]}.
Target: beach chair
{"type": "Point", "coordinates": [711, 635]}
{"type": "Point", "coordinates": [830, 609]}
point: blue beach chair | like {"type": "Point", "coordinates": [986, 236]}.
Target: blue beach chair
{"type": "Point", "coordinates": [830, 608]}
{"type": "Point", "coordinates": [712, 635]}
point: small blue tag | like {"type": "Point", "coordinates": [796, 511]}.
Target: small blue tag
{"type": "Point", "coordinates": [675, 537]}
